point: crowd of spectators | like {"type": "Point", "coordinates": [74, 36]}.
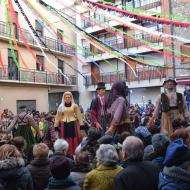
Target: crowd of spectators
{"type": "Point", "coordinates": [139, 159]}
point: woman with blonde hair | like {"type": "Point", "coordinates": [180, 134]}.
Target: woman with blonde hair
{"type": "Point", "coordinates": [69, 119]}
{"type": "Point", "coordinates": [13, 173]}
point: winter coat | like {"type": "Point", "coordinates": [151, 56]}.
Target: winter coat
{"type": "Point", "coordinates": [101, 178]}
{"type": "Point", "coordinates": [138, 175]}
{"type": "Point", "coordinates": [40, 171]}
{"type": "Point", "coordinates": [79, 172]}
{"type": "Point", "coordinates": [174, 178]}
{"type": "Point", "coordinates": [14, 175]}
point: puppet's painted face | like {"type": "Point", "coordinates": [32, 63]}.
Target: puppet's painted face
{"type": "Point", "coordinates": [67, 99]}
{"type": "Point", "coordinates": [101, 92]}
{"type": "Point", "coordinates": [170, 85]}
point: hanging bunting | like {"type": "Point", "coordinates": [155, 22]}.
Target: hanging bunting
{"type": "Point", "coordinates": [140, 16]}
{"type": "Point", "coordinates": [114, 51]}
{"type": "Point", "coordinates": [56, 56]}
{"type": "Point", "coordinates": [49, 29]}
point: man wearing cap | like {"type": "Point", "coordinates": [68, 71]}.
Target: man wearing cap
{"type": "Point", "coordinates": [98, 108]}
{"type": "Point", "coordinates": [172, 104]}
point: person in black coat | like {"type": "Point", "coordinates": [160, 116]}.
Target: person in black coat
{"type": "Point", "coordinates": [138, 174]}
{"type": "Point", "coordinates": [39, 167]}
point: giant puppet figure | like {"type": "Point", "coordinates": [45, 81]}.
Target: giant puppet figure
{"type": "Point", "coordinates": [98, 108]}
{"type": "Point", "coordinates": [69, 119]}
{"type": "Point", "coordinates": [118, 109]}
{"type": "Point", "coordinates": [172, 104]}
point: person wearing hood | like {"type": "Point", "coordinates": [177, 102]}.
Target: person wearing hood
{"type": "Point", "coordinates": [176, 172]}
{"type": "Point", "coordinates": [13, 173]}
{"type": "Point", "coordinates": [69, 119]}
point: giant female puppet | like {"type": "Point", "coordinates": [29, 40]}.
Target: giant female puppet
{"type": "Point", "coordinates": [69, 119]}
{"type": "Point", "coordinates": [118, 109]}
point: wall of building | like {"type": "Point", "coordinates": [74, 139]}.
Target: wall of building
{"type": "Point", "coordinates": [10, 94]}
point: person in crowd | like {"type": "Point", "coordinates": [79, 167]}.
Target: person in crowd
{"type": "Point", "coordinates": [49, 131]}
{"type": "Point", "coordinates": [181, 133]}
{"type": "Point", "coordinates": [87, 120]}
{"type": "Point", "coordinates": [83, 138]}
{"type": "Point", "coordinates": [70, 119]}
{"type": "Point", "coordinates": [160, 143]}
{"type": "Point", "coordinates": [118, 109]}
{"type": "Point", "coordinates": [25, 122]}
{"type": "Point", "coordinates": [91, 145]}
{"type": "Point", "coordinates": [144, 134]}
{"type": "Point", "coordinates": [138, 174]}
{"type": "Point", "coordinates": [150, 105]}
{"type": "Point", "coordinates": [60, 170]}
{"type": "Point", "coordinates": [61, 148]}
{"type": "Point", "coordinates": [21, 144]}
{"type": "Point", "coordinates": [176, 172]}
{"type": "Point", "coordinates": [13, 173]}
{"type": "Point", "coordinates": [81, 168]}
{"type": "Point", "coordinates": [173, 106]}
{"type": "Point", "coordinates": [98, 108]}
{"type": "Point", "coordinates": [102, 177]}
{"type": "Point", "coordinates": [39, 166]}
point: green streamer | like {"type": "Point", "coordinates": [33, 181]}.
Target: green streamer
{"type": "Point", "coordinates": [72, 43]}
{"type": "Point", "coordinates": [162, 15]}
{"type": "Point", "coordinates": [152, 45]}
{"type": "Point", "coordinates": [10, 41]}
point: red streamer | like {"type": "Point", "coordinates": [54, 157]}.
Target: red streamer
{"type": "Point", "coordinates": [142, 17]}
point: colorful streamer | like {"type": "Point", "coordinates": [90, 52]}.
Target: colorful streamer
{"type": "Point", "coordinates": [139, 60]}
{"type": "Point", "coordinates": [34, 35]}
{"type": "Point", "coordinates": [49, 30]}
{"type": "Point", "coordinates": [2, 65]}
{"type": "Point", "coordinates": [72, 24]}
{"type": "Point", "coordinates": [140, 16]}
{"type": "Point", "coordinates": [156, 14]}
{"type": "Point", "coordinates": [73, 55]}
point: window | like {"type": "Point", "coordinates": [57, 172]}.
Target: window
{"type": "Point", "coordinates": [59, 43]}
{"type": "Point", "coordinates": [60, 71]}
{"type": "Point", "coordinates": [185, 49]}
{"type": "Point", "coordinates": [39, 28]}
{"type": "Point", "coordinates": [15, 29]}
{"type": "Point", "coordinates": [12, 68]}
{"type": "Point", "coordinates": [40, 66]}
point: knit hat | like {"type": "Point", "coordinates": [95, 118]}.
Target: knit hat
{"type": "Point", "coordinates": [176, 154]}
{"type": "Point", "coordinates": [59, 166]}
{"type": "Point", "coordinates": [142, 132]}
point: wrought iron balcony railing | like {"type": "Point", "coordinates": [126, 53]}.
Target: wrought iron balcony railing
{"type": "Point", "coordinates": [35, 76]}
{"type": "Point", "coordinates": [50, 42]}
{"type": "Point", "coordinates": [121, 44]}
{"type": "Point", "coordinates": [142, 74]}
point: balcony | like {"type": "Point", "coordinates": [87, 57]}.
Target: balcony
{"type": "Point", "coordinates": [120, 44]}
{"type": "Point", "coordinates": [51, 43]}
{"type": "Point", "coordinates": [142, 75]}
{"type": "Point", "coordinates": [144, 4]}
{"type": "Point", "coordinates": [35, 77]}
